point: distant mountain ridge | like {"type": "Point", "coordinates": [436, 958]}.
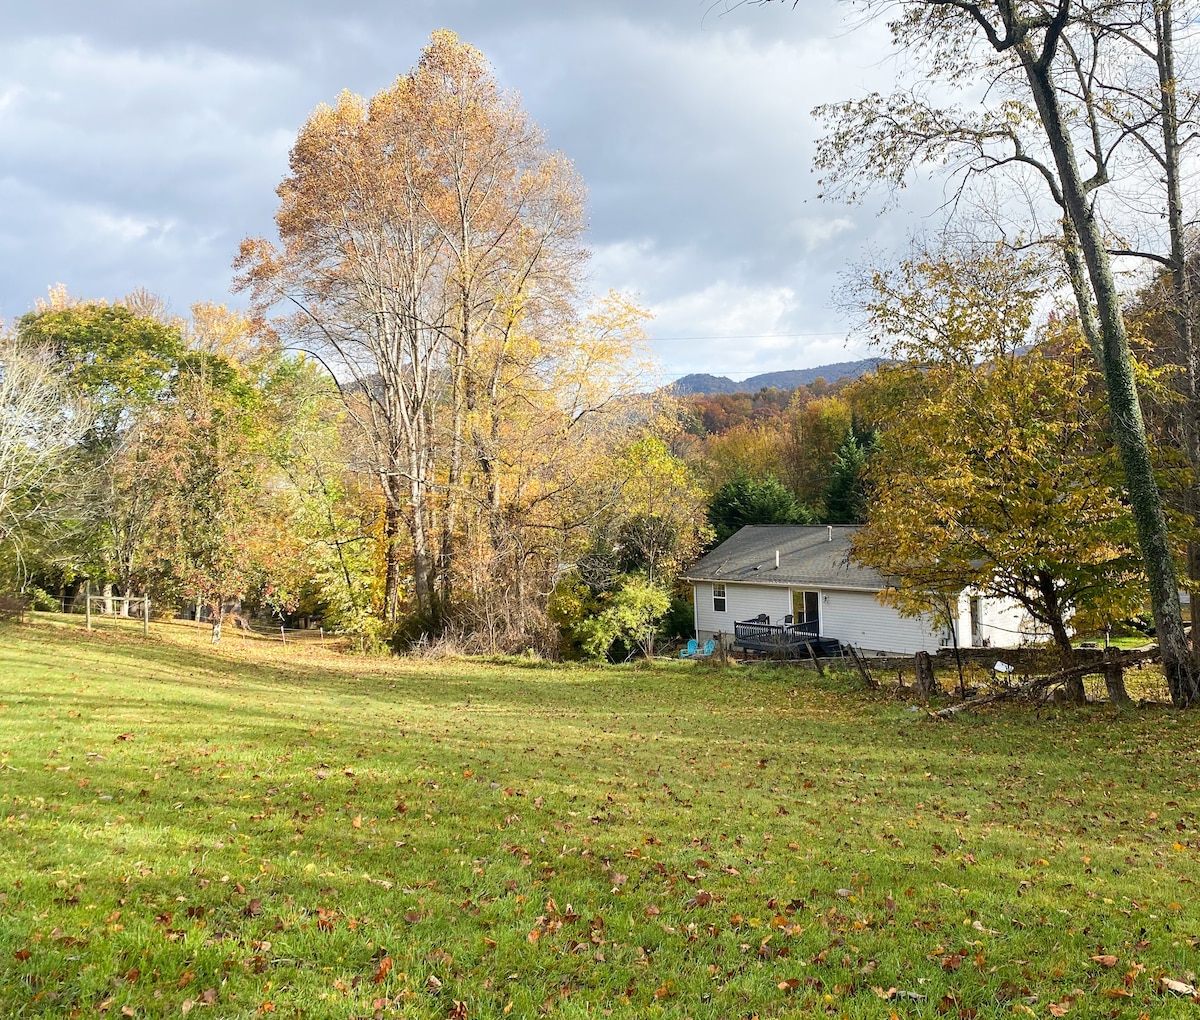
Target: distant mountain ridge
{"type": "Point", "coordinates": [701, 383]}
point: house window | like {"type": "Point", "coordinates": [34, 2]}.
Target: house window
{"type": "Point", "coordinates": [806, 606]}
{"type": "Point", "coordinates": [718, 598]}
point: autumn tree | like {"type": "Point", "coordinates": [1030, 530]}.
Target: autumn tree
{"type": "Point", "coordinates": [120, 363]}
{"type": "Point", "coordinates": [1043, 120]}
{"type": "Point", "coordinates": [116, 360]}
{"type": "Point", "coordinates": [993, 472]}
{"type": "Point", "coordinates": [423, 231]}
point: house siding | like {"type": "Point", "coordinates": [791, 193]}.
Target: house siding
{"type": "Point", "coordinates": [852, 617]}
{"type": "Point", "coordinates": [857, 618]}
{"type": "Point", "coordinates": [742, 602]}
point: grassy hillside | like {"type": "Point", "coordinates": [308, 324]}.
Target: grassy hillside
{"type": "Point", "coordinates": [258, 830]}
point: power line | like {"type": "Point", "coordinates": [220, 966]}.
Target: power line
{"type": "Point", "coordinates": [744, 336]}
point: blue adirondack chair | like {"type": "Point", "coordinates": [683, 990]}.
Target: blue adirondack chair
{"type": "Point", "coordinates": [709, 645]}
{"type": "Point", "coordinates": [687, 653]}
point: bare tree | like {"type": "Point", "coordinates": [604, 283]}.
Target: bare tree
{"type": "Point", "coordinates": [40, 423]}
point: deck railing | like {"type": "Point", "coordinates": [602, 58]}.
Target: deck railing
{"type": "Point", "coordinates": [757, 634]}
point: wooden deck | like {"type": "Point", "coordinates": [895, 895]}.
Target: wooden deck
{"type": "Point", "coordinates": [785, 640]}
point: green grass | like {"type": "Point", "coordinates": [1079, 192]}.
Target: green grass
{"type": "Point", "coordinates": [260, 830]}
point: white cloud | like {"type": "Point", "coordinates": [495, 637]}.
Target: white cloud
{"type": "Point", "coordinates": [139, 149]}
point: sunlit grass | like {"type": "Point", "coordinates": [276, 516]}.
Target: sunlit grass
{"type": "Point", "coordinates": [264, 829]}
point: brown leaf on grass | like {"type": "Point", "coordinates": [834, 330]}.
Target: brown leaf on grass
{"type": "Point", "coordinates": [790, 985]}
{"type": "Point", "coordinates": [128, 1011]}
{"type": "Point", "coordinates": [253, 908]}
{"type": "Point", "coordinates": [1106, 960]}
{"type": "Point", "coordinates": [103, 1007]}
{"type": "Point", "coordinates": [356, 821]}
{"type": "Point", "coordinates": [665, 991]}
{"type": "Point", "coordinates": [898, 993]}
{"type": "Point", "coordinates": [185, 979]}
{"type": "Point", "coordinates": [458, 1011]}
{"type": "Point", "coordinates": [701, 899]}
{"type": "Point", "coordinates": [1178, 987]}
{"type": "Point", "coordinates": [413, 916]}
{"type": "Point", "coordinates": [186, 1008]}
{"type": "Point", "coordinates": [208, 996]}
{"type": "Point", "coordinates": [618, 879]}
{"type": "Point", "coordinates": [123, 736]}
{"type": "Point", "coordinates": [385, 967]}
{"type": "Point", "coordinates": [1059, 1008]}
{"type": "Point", "coordinates": [652, 911]}
{"type": "Point", "coordinates": [22, 954]}
{"type": "Point", "coordinates": [433, 983]}
{"type": "Point", "coordinates": [1117, 993]}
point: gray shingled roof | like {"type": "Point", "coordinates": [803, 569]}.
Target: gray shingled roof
{"type": "Point", "coordinates": [811, 556]}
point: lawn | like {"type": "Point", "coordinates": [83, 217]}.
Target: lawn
{"type": "Point", "coordinates": [263, 830]}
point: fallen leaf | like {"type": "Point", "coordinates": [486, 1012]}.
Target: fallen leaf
{"type": "Point", "coordinates": [186, 1008]}
{"type": "Point", "coordinates": [1107, 960]}
{"type": "Point", "coordinates": [385, 966]}
{"type": "Point", "coordinates": [22, 954]}
{"type": "Point", "coordinates": [128, 1011]}
{"type": "Point", "coordinates": [1178, 987]}
{"type": "Point", "coordinates": [253, 908]}
{"type": "Point", "coordinates": [357, 821]}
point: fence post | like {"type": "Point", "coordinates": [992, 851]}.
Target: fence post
{"type": "Point", "coordinates": [146, 616]}
{"type": "Point", "coordinates": [322, 639]}
{"type": "Point", "coordinates": [282, 635]}
{"type": "Point", "coordinates": [87, 602]}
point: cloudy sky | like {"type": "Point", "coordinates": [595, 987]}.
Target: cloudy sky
{"type": "Point", "coordinates": [140, 141]}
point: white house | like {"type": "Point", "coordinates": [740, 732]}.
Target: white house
{"type": "Point", "coordinates": [802, 579]}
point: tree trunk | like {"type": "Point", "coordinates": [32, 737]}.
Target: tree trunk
{"type": "Point", "coordinates": [1054, 619]}
{"type": "Point", "coordinates": [1181, 305]}
{"type": "Point", "coordinates": [1114, 679]}
{"type": "Point", "coordinates": [926, 683]}
{"type": "Point", "coordinates": [1127, 424]}
{"type": "Point", "coordinates": [393, 566]}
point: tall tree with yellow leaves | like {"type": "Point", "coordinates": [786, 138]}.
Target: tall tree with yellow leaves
{"type": "Point", "coordinates": [421, 230]}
